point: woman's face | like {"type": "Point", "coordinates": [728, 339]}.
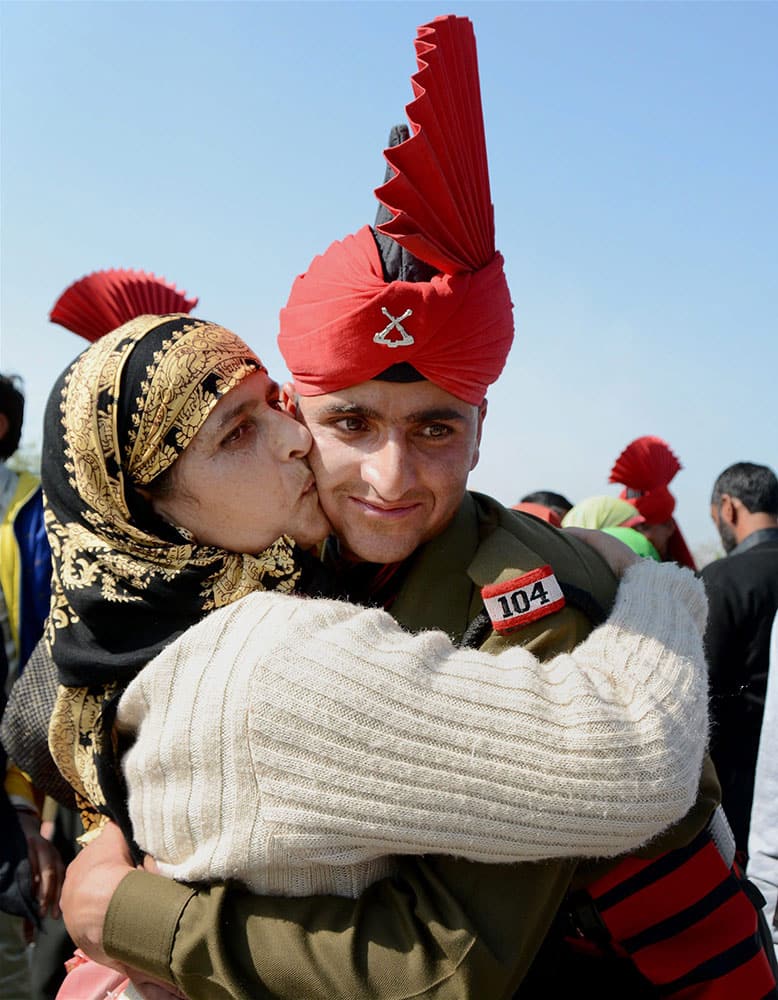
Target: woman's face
{"type": "Point", "coordinates": [244, 479]}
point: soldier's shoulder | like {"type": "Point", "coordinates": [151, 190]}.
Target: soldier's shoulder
{"type": "Point", "coordinates": [574, 562]}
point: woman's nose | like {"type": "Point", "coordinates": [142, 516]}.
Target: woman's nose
{"type": "Point", "coordinates": [294, 438]}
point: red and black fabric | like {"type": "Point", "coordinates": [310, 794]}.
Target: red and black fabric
{"type": "Point", "coordinates": [686, 923]}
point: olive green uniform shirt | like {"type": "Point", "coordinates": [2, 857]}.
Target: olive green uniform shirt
{"type": "Point", "coordinates": [442, 928]}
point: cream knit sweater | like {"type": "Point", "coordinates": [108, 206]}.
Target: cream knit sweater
{"type": "Point", "coordinates": [296, 744]}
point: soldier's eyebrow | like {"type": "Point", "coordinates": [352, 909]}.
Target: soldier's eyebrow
{"type": "Point", "coordinates": [435, 413]}
{"type": "Point", "coordinates": [425, 416]}
{"type": "Point", "coordinates": [348, 409]}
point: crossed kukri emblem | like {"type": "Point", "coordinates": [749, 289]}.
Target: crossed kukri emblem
{"type": "Point", "coordinates": [395, 323]}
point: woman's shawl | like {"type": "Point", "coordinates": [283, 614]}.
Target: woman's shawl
{"type": "Point", "coordinates": [124, 582]}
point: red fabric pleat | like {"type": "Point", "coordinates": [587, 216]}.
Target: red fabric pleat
{"type": "Point", "coordinates": [343, 323]}
{"type": "Point", "coordinates": [105, 300]}
{"type": "Point", "coordinates": [440, 194]}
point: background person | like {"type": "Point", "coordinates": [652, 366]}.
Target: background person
{"type": "Point", "coordinates": [32, 869]}
{"type": "Point", "coordinates": [646, 467]}
{"type": "Point", "coordinates": [611, 515]}
{"type": "Point", "coordinates": [553, 506]}
{"type": "Point", "coordinates": [763, 838]}
{"type": "Point", "coordinates": [763, 832]}
{"type": "Point", "coordinates": [743, 594]}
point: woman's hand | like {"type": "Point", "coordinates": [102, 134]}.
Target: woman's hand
{"type": "Point", "coordinates": [46, 865]}
{"type": "Point", "coordinates": [90, 882]}
{"type": "Point", "coordinates": [615, 553]}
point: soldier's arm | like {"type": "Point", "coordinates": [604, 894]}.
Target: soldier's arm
{"type": "Point", "coordinates": [423, 928]}
{"type": "Point", "coordinates": [442, 928]}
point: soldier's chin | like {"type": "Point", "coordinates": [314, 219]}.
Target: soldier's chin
{"type": "Point", "coordinates": [378, 547]}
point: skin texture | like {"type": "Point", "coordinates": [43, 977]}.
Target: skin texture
{"type": "Point", "coordinates": [391, 463]}
{"type": "Point", "coordinates": [724, 524]}
{"type": "Point", "coordinates": [244, 479]}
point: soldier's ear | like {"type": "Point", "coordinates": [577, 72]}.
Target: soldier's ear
{"type": "Point", "coordinates": [482, 415]}
{"type": "Point", "coordinates": [289, 399]}
{"type": "Point", "coordinates": [4, 425]}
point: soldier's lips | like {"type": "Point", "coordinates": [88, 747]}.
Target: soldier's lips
{"type": "Point", "coordinates": [385, 512]}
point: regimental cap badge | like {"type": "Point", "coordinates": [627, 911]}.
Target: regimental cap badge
{"type": "Point", "coordinates": [394, 333]}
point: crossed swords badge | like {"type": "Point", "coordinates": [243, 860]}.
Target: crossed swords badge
{"type": "Point", "coordinates": [395, 323]}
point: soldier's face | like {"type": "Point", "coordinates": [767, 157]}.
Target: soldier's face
{"type": "Point", "coordinates": [391, 462]}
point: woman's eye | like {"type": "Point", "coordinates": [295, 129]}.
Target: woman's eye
{"type": "Point", "coordinates": [237, 433]}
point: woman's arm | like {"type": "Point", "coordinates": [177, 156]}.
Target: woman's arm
{"type": "Point", "coordinates": [319, 733]}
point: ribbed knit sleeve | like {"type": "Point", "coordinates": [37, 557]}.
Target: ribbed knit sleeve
{"type": "Point", "coordinates": [289, 742]}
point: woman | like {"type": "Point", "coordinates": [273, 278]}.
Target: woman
{"type": "Point", "coordinates": [175, 483]}
{"type": "Point", "coordinates": [126, 581]}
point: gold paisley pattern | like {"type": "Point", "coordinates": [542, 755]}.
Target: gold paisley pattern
{"type": "Point", "coordinates": [236, 579]}
{"type": "Point", "coordinates": [120, 590]}
{"type": "Point", "coordinates": [76, 737]}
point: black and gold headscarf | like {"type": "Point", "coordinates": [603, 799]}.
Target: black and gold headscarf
{"type": "Point", "coordinates": [125, 583]}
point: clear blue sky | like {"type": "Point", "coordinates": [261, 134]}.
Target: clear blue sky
{"type": "Point", "coordinates": [633, 152]}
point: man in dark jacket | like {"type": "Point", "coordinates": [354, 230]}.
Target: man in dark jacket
{"type": "Point", "coordinates": [743, 594]}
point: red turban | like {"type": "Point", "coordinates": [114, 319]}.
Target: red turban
{"type": "Point", "coordinates": [645, 467]}
{"type": "Point", "coordinates": [344, 322]}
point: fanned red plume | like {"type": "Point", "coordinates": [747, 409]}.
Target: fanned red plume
{"type": "Point", "coordinates": [104, 300]}
{"type": "Point", "coordinates": [440, 196]}
{"type": "Point", "coordinates": [645, 464]}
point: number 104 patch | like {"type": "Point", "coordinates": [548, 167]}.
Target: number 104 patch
{"type": "Point", "coordinates": [522, 600]}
